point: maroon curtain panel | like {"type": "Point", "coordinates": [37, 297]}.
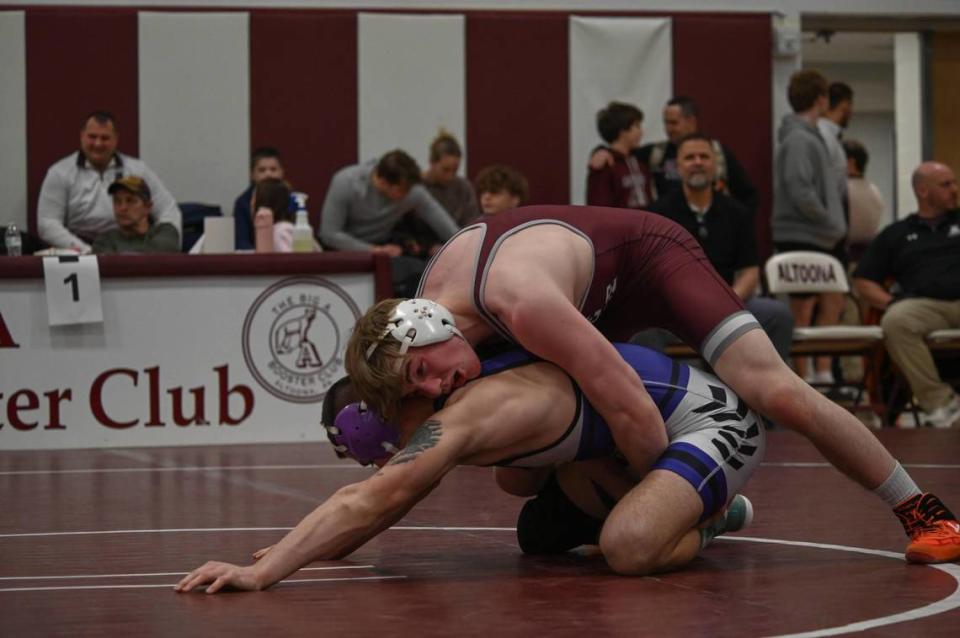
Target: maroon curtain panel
{"type": "Point", "coordinates": [518, 99]}
{"type": "Point", "coordinates": [303, 94]}
{"type": "Point", "coordinates": [78, 61]}
{"type": "Point", "coordinates": [723, 61]}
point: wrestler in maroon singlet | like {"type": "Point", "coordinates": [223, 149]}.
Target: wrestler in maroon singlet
{"type": "Point", "coordinates": [648, 272]}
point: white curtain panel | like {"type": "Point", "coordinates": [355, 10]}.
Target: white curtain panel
{"type": "Point", "coordinates": [623, 59]}
{"type": "Point", "coordinates": [908, 91]}
{"type": "Point", "coordinates": [195, 103]}
{"type": "Point", "coordinates": [13, 118]}
{"type": "Point", "coordinates": [411, 81]}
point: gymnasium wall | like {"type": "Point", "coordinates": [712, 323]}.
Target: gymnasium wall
{"type": "Point", "coordinates": [194, 90]}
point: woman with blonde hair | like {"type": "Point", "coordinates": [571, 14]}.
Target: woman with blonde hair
{"type": "Point", "coordinates": [453, 192]}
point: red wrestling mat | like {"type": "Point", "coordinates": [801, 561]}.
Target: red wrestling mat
{"type": "Point", "coordinates": [93, 541]}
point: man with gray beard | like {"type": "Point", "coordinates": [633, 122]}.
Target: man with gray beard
{"type": "Point", "coordinates": [724, 228]}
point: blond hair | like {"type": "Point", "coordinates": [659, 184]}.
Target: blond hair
{"type": "Point", "coordinates": [378, 379]}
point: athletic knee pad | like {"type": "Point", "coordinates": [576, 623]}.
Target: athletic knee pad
{"type": "Point", "coordinates": [550, 523]}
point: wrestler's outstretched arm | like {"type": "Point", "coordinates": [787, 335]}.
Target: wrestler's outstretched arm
{"type": "Point", "coordinates": [544, 321]}
{"type": "Point", "coordinates": [349, 518]}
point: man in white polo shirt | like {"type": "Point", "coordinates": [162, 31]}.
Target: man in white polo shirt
{"type": "Point", "coordinates": [74, 205]}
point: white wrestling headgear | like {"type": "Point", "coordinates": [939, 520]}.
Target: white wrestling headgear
{"type": "Point", "coordinates": [417, 322]}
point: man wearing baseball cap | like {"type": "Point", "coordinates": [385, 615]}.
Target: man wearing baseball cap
{"type": "Point", "coordinates": [135, 232]}
{"type": "Point", "coordinates": [74, 206]}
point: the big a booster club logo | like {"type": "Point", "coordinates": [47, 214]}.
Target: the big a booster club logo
{"type": "Point", "coordinates": [294, 335]}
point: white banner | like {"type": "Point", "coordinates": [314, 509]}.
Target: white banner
{"type": "Point", "coordinates": [411, 81]}
{"type": "Point", "coordinates": [176, 361]}
{"type": "Point", "coordinates": [13, 118]}
{"type": "Point", "coordinates": [194, 75]}
{"type": "Point", "coordinates": [615, 59]}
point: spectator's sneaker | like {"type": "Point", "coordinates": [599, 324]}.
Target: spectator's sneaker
{"type": "Point", "coordinates": [846, 394]}
{"type": "Point", "coordinates": [907, 420]}
{"type": "Point", "coordinates": [933, 530]}
{"type": "Point", "coordinates": [945, 416]}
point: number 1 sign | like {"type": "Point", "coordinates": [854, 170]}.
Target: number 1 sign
{"type": "Point", "coordinates": [73, 290]}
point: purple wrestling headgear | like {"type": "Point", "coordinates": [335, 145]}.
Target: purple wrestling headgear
{"type": "Point", "coordinates": [360, 433]}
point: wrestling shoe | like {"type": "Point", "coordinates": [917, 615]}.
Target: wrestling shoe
{"type": "Point", "coordinates": [738, 515]}
{"type": "Point", "coordinates": [933, 529]}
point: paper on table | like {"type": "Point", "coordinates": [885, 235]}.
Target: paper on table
{"type": "Point", "coordinates": [217, 235]}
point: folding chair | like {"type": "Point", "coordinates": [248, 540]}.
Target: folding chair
{"type": "Point", "coordinates": [944, 346]}
{"type": "Point", "coordinates": [806, 272]}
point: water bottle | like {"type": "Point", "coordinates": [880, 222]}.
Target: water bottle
{"type": "Point", "coordinates": [302, 231]}
{"type": "Point", "coordinates": [263, 230]}
{"type": "Point", "coordinates": [11, 240]}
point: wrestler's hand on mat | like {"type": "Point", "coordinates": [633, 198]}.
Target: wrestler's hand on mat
{"type": "Point", "coordinates": [219, 575]}
{"type": "Point", "coordinates": [260, 553]}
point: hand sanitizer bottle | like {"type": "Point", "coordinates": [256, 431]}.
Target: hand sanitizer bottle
{"type": "Point", "coordinates": [302, 231]}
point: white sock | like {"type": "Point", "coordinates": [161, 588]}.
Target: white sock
{"type": "Point", "coordinates": [708, 533]}
{"type": "Point", "coordinates": [897, 488]}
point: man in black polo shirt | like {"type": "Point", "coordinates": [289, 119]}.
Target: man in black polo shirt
{"type": "Point", "coordinates": [921, 254]}
{"type": "Point", "coordinates": [724, 228]}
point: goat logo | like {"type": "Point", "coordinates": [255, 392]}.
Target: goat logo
{"type": "Point", "coordinates": [294, 335]}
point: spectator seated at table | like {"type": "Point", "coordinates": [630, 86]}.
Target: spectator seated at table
{"type": "Point", "coordinates": [135, 232]}
{"type": "Point", "coordinates": [265, 163]}
{"type": "Point", "coordinates": [364, 204]}
{"type": "Point", "coordinates": [74, 206]}
{"type": "Point", "coordinates": [450, 190]}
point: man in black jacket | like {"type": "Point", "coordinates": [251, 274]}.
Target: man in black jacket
{"type": "Point", "coordinates": [724, 228]}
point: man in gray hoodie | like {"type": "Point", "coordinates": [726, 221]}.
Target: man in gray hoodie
{"type": "Point", "coordinates": [366, 201]}
{"type": "Point", "coordinates": [807, 209]}
{"type": "Point", "coordinates": [364, 204]}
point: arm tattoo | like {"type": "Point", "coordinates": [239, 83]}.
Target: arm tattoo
{"type": "Point", "coordinates": [425, 437]}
